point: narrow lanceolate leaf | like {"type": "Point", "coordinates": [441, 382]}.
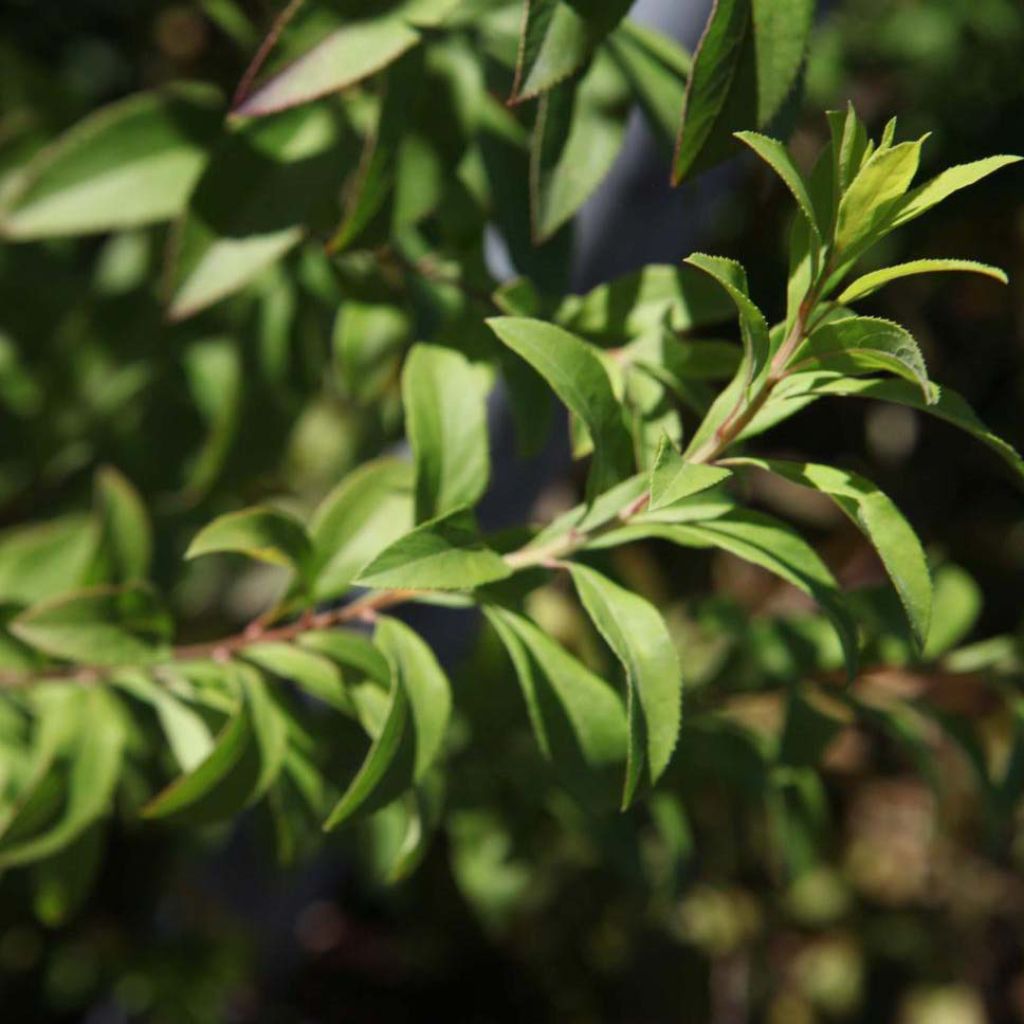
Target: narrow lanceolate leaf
{"type": "Point", "coordinates": [862, 344]}
{"type": "Point", "coordinates": [557, 39]}
{"type": "Point", "coordinates": [580, 380]}
{"type": "Point", "coordinates": [637, 634]}
{"type": "Point", "coordinates": [264, 186]}
{"type": "Point", "coordinates": [127, 534]}
{"type": "Point", "coordinates": [349, 649]}
{"type": "Point", "coordinates": [766, 542]}
{"type": "Point", "coordinates": [868, 205]}
{"type": "Point", "coordinates": [869, 283]}
{"type": "Point", "coordinates": [95, 768]}
{"type": "Point", "coordinates": [446, 422]}
{"type": "Point", "coordinates": [102, 626]}
{"type": "Point", "coordinates": [577, 135]}
{"type": "Point", "coordinates": [673, 479]}
{"type": "Point", "coordinates": [753, 326]}
{"type": "Point", "coordinates": [879, 520]}
{"type": "Point", "coordinates": [776, 156]}
{"type": "Point", "coordinates": [346, 56]}
{"type": "Point", "coordinates": [262, 533]}
{"type": "Point", "coordinates": [132, 163]}
{"type": "Point", "coordinates": [311, 672]}
{"type": "Point", "coordinates": [430, 699]}
{"type": "Point", "coordinates": [367, 511]}
{"type": "Point", "coordinates": [746, 66]}
{"type": "Point", "coordinates": [943, 185]}
{"type": "Point", "coordinates": [443, 554]}
{"type": "Point", "coordinates": [568, 705]}
{"type": "Point", "coordinates": [948, 406]}
{"type": "Point", "coordinates": [657, 69]}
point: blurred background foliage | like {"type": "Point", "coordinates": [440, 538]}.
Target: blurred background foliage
{"type": "Point", "coordinates": [908, 899]}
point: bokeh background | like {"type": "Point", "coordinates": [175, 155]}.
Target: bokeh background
{"type": "Point", "coordinates": [914, 910]}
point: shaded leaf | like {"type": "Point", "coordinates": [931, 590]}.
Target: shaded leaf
{"type": "Point", "coordinates": [124, 526]}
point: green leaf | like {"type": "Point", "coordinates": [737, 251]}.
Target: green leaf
{"type": "Point", "coordinates": [102, 626]}
{"type": "Point", "coordinates": [124, 525]}
{"type": "Point", "coordinates": [557, 40]}
{"type": "Point", "coordinates": [577, 135]}
{"type": "Point", "coordinates": [371, 508]}
{"type": "Point", "coordinates": [753, 326]}
{"type": "Point", "coordinates": [863, 344]}
{"type": "Point", "coordinates": [656, 68]}
{"type": "Point", "coordinates": [568, 705]}
{"type": "Point", "coordinates": [350, 649]}
{"type": "Point", "coordinates": [262, 533]}
{"type": "Point", "coordinates": [637, 634]}
{"type": "Point", "coordinates": [747, 63]}
{"type": "Point", "coordinates": [45, 560]}
{"type": "Point", "coordinates": [311, 672]}
{"type": "Point", "coordinates": [345, 56]}
{"type": "Point", "coordinates": [94, 772]}
{"type": "Point", "coordinates": [130, 164]}
{"type": "Point", "coordinates": [580, 380]}
{"type": "Point", "coordinates": [673, 479]}
{"type": "Point", "coordinates": [264, 186]}
{"type": "Point", "coordinates": [443, 554]}
{"type": "Point", "coordinates": [62, 883]}
{"type": "Point", "coordinates": [637, 303]}
{"type": "Point", "coordinates": [867, 206]}
{"type": "Point", "coordinates": [879, 520]}
{"type": "Point", "coordinates": [766, 542]}
{"type": "Point", "coordinates": [943, 185]}
{"type": "Point", "coordinates": [445, 400]}
{"type": "Point", "coordinates": [775, 155]}
{"type": "Point", "coordinates": [869, 283]}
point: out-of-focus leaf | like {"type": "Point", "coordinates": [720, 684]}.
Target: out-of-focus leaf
{"type": "Point", "coordinates": [367, 341]}
{"type": "Point", "coordinates": [956, 606]}
{"type": "Point", "coordinates": [442, 554]}
{"type": "Point", "coordinates": [557, 39]}
{"type": "Point", "coordinates": [673, 479]}
{"type": "Point", "coordinates": [126, 535]}
{"type": "Point", "coordinates": [351, 649]}
{"type": "Point", "coordinates": [132, 163]}
{"type": "Point", "coordinates": [879, 520]}
{"type": "Point", "coordinates": [101, 626]}
{"type": "Point", "coordinates": [311, 672]}
{"type": "Point", "coordinates": [577, 135]}
{"type": "Point", "coordinates": [347, 55]}
{"type": "Point", "coordinates": [63, 882]}
{"type": "Point", "coordinates": [636, 632]}
{"type": "Point", "coordinates": [261, 190]}
{"type": "Point", "coordinates": [863, 344]}
{"type": "Point", "coordinates": [745, 68]}
{"type": "Point", "coordinates": [871, 282]}
{"type": "Point", "coordinates": [93, 775]}
{"type": "Point", "coordinates": [580, 380]}
{"type": "Point", "coordinates": [261, 533]}
{"type": "Point", "coordinates": [43, 560]}
{"type": "Point", "coordinates": [367, 511]}
{"type": "Point", "coordinates": [446, 423]}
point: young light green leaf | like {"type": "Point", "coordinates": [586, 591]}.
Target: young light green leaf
{"type": "Point", "coordinates": [879, 520]}
{"type": "Point", "coordinates": [442, 554]}
{"type": "Point", "coordinates": [659, 295]}
{"type": "Point", "coordinates": [367, 511]}
{"type": "Point", "coordinates": [130, 164]}
{"type": "Point", "coordinates": [674, 479]}
{"type": "Point", "coordinates": [580, 380]}
{"type": "Point", "coordinates": [862, 344]}
{"type": "Point", "coordinates": [577, 135]}
{"type": "Point", "coordinates": [262, 533]}
{"type": "Point", "coordinates": [101, 626]}
{"type": "Point", "coordinates": [637, 634]}
{"type": "Point", "coordinates": [346, 56]}
{"type": "Point", "coordinates": [562, 694]}
{"type": "Point", "coordinates": [657, 69]}
{"type": "Point", "coordinates": [943, 185]}
{"type": "Point", "coordinates": [867, 206]}
{"type": "Point", "coordinates": [869, 283]}
{"type": "Point", "coordinates": [557, 39]}
{"type": "Point", "coordinates": [446, 422]}
{"type": "Point", "coordinates": [775, 155]}
{"type": "Point", "coordinates": [44, 560]}
{"type": "Point", "coordinates": [255, 201]}
{"type": "Point", "coordinates": [125, 528]}
{"type": "Point", "coordinates": [95, 769]}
